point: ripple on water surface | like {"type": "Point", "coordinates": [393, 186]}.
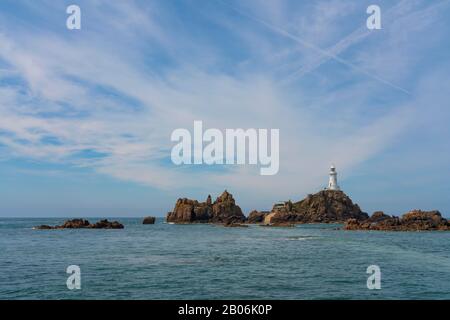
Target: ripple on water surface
{"type": "Point", "coordinates": [165, 261]}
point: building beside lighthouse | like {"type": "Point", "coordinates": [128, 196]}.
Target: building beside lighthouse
{"type": "Point", "coordinates": [332, 182]}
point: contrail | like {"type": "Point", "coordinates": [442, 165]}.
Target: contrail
{"type": "Point", "coordinates": [323, 52]}
{"type": "Point", "coordinates": [357, 35]}
{"type": "Point", "coordinates": [354, 37]}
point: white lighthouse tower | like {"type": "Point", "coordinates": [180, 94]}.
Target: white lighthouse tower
{"type": "Point", "coordinates": [332, 183]}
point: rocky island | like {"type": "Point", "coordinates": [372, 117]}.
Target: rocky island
{"type": "Point", "coordinates": [334, 206]}
{"type": "Point", "coordinates": [223, 210]}
{"type": "Point", "coordinates": [330, 205]}
{"type": "Point", "coordinates": [326, 206]}
{"type": "Point", "coordinates": [83, 224]}
{"type": "Point", "coordinates": [415, 220]}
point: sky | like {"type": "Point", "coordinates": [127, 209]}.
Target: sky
{"type": "Point", "coordinates": [86, 115]}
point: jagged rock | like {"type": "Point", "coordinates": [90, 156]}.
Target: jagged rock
{"type": "Point", "coordinates": [223, 210]}
{"type": "Point", "coordinates": [83, 224]}
{"type": "Point", "coordinates": [149, 220]}
{"type": "Point", "coordinates": [327, 206]}
{"type": "Point", "coordinates": [189, 211]}
{"type": "Point", "coordinates": [352, 224]}
{"type": "Point", "coordinates": [378, 216]}
{"type": "Point", "coordinates": [415, 220]}
{"type": "Point", "coordinates": [257, 216]}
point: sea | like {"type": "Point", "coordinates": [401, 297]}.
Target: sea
{"type": "Point", "coordinates": [203, 261]}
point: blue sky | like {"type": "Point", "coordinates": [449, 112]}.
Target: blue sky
{"type": "Point", "coordinates": [86, 115]}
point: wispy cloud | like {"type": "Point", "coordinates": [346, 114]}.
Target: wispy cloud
{"type": "Point", "coordinates": [330, 54]}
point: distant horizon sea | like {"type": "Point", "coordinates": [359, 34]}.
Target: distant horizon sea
{"type": "Point", "coordinates": [205, 261]}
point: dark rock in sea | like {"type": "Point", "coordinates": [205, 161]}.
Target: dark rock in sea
{"type": "Point", "coordinates": [105, 224]}
{"type": "Point", "coordinates": [149, 220]}
{"type": "Point", "coordinates": [223, 210]}
{"type": "Point", "coordinates": [327, 206]}
{"type": "Point", "coordinates": [74, 224]}
{"type": "Point", "coordinates": [415, 220]}
{"type": "Point", "coordinates": [231, 224]}
{"type": "Point", "coordinates": [280, 224]}
{"type": "Point", "coordinates": [83, 224]}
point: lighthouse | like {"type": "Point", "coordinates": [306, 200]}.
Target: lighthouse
{"type": "Point", "coordinates": [332, 183]}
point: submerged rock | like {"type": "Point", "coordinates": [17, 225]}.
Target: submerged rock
{"type": "Point", "coordinates": [415, 220]}
{"type": "Point", "coordinates": [83, 224]}
{"type": "Point", "coordinates": [149, 220]}
{"type": "Point", "coordinates": [223, 210]}
{"type": "Point", "coordinates": [282, 225]}
{"type": "Point", "coordinates": [231, 224]}
{"type": "Point", "coordinates": [43, 227]}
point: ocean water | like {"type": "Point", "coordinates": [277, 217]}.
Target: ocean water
{"type": "Point", "coordinates": [165, 261]}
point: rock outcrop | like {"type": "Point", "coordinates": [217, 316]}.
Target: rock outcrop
{"type": "Point", "coordinates": [415, 220]}
{"type": "Point", "coordinates": [327, 206]}
{"type": "Point", "coordinates": [83, 224]}
{"type": "Point", "coordinates": [257, 216]}
{"type": "Point", "coordinates": [149, 220]}
{"type": "Point", "coordinates": [74, 224]}
{"type": "Point", "coordinates": [105, 224]}
{"type": "Point", "coordinates": [223, 210]}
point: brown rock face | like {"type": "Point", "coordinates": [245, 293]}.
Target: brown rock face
{"type": "Point", "coordinates": [378, 216]}
{"type": "Point", "coordinates": [223, 210]}
{"type": "Point", "coordinates": [415, 220]}
{"type": "Point", "coordinates": [327, 206]}
{"type": "Point", "coordinates": [149, 220]}
{"type": "Point", "coordinates": [256, 216]}
{"type": "Point", "coordinates": [84, 224]}
{"type": "Point", "coordinates": [189, 211]}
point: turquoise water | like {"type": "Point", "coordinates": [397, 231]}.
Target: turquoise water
{"type": "Point", "coordinates": [164, 261]}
